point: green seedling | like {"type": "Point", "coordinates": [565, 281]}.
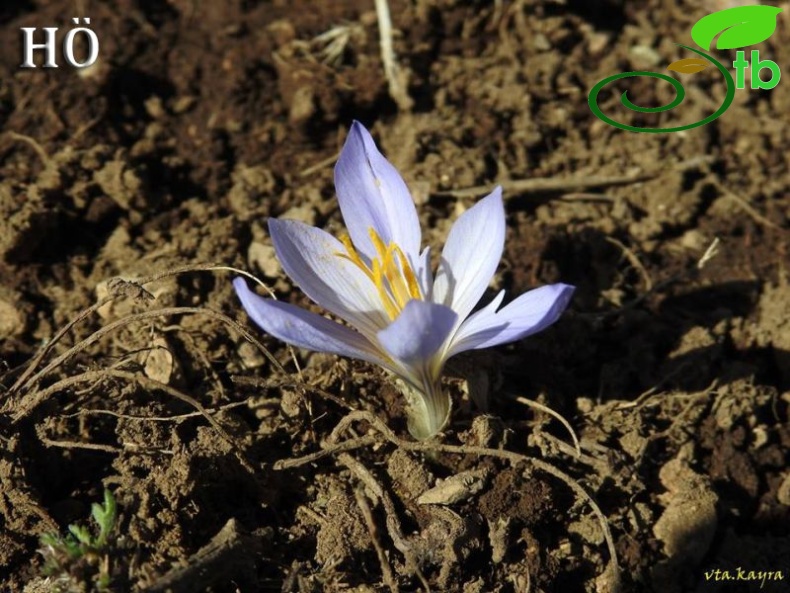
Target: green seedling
{"type": "Point", "coordinates": [82, 555]}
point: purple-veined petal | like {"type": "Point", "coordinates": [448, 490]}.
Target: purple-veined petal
{"type": "Point", "coordinates": [471, 255]}
{"type": "Point", "coordinates": [310, 258]}
{"type": "Point", "coordinates": [372, 194]}
{"type": "Point", "coordinates": [304, 329]}
{"type": "Point", "coordinates": [530, 313]}
{"type": "Point", "coordinates": [418, 332]}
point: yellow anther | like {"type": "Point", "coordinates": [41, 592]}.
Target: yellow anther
{"type": "Point", "coordinates": [352, 255]}
{"type": "Point", "coordinates": [390, 272]}
{"type": "Point", "coordinates": [381, 249]}
{"type": "Point", "coordinates": [378, 279]}
{"type": "Point", "coordinates": [408, 273]}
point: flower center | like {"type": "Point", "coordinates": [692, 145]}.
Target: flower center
{"type": "Point", "coordinates": [390, 272]}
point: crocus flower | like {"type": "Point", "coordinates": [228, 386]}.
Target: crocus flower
{"type": "Point", "coordinates": [397, 313]}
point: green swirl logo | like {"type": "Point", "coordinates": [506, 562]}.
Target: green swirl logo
{"type": "Point", "coordinates": [735, 27]}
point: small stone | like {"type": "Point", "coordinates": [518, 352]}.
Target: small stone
{"type": "Point", "coordinates": [302, 105]}
{"type": "Point", "coordinates": [281, 31]}
{"type": "Point", "coordinates": [643, 55]}
{"type": "Point", "coordinates": [154, 107]}
{"type": "Point", "coordinates": [455, 489]}
{"type": "Point", "coordinates": [12, 321]}
{"type": "Point", "coordinates": [498, 536]}
{"type": "Point", "coordinates": [688, 523]}
{"type": "Point", "coordinates": [159, 362]}
{"type": "Point", "coordinates": [183, 104]}
{"type": "Point", "coordinates": [251, 357]}
{"type": "Point", "coordinates": [597, 42]}
{"type": "Point", "coordinates": [303, 213]}
{"type": "Point", "coordinates": [263, 258]}
{"type": "Point", "coordinates": [291, 404]}
{"type": "Point", "coordinates": [118, 182]}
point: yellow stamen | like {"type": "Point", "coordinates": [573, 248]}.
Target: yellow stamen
{"type": "Point", "coordinates": [381, 249]}
{"type": "Point", "coordinates": [408, 273]}
{"type": "Point", "coordinates": [395, 279]}
{"type": "Point", "coordinates": [352, 255]}
{"type": "Point", "coordinates": [390, 272]}
{"type": "Point", "coordinates": [378, 279]}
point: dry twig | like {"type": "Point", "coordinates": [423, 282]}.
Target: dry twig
{"type": "Point", "coordinates": [146, 382]}
{"type": "Point", "coordinates": [556, 415]}
{"type": "Point", "coordinates": [39, 150]}
{"type": "Point", "coordinates": [711, 252]}
{"type": "Point", "coordinates": [135, 289]}
{"type": "Point", "coordinates": [746, 206]}
{"type": "Point", "coordinates": [515, 187]}
{"type": "Point", "coordinates": [393, 524]}
{"type": "Point", "coordinates": [395, 76]}
{"type": "Point", "coordinates": [332, 447]}
{"type": "Point", "coordinates": [634, 260]}
{"type": "Point", "coordinates": [33, 398]}
{"type": "Point", "coordinates": [213, 563]}
{"type": "Point", "coordinates": [367, 514]}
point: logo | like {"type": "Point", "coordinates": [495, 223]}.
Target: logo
{"type": "Point", "coordinates": [737, 27]}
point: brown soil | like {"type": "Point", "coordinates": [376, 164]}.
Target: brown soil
{"type": "Point", "coordinates": [202, 119]}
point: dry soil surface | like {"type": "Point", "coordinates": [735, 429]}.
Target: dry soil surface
{"type": "Point", "coordinates": [132, 183]}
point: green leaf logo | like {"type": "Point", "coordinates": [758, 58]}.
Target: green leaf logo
{"type": "Point", "coordinates": [739, 27]}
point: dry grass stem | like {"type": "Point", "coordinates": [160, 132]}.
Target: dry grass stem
{"type": "Point", "coordinates": [333, 446]}
{"type": "Point", "coordinates": [367, 514]}
{"type": "Point", "coordinates": [634, 260]}
{"type": "Point", "coordinates": [556, 415]}
{"type": "Point", "coordinates": [395, 76]}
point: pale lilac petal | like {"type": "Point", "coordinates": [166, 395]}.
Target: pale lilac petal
{"type": "Point", "coordinates": [490, 309]}
{"type": "Point", "coordinates": [530, 313]}
{"type": "Point", "coordinates": [471, 255]}
{"type": "Point", "coordinates": [303, 329]}
{"type": "Point", "coordinates": [311, 258]}
{"type": "Point", "coordinates": [372, 194]}
{"type": "Point", "coordinates": [424, 274]}
{"type": "Point", "coordinates": [418, 332]}
{"type": "Point", "coordinates": [414, 340]}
